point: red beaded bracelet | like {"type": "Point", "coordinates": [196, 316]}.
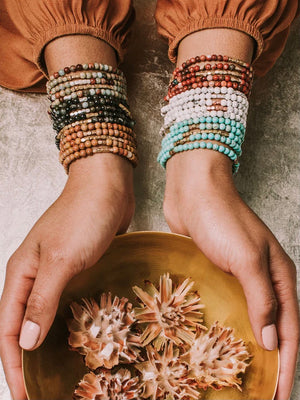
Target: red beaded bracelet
{"type": "Point", "coordinates": [213, 57]}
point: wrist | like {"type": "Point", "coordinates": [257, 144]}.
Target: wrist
{"type": "Point", "coordinates": [101, 171]}
{"type": "Point", "coordinates": [200, 165]}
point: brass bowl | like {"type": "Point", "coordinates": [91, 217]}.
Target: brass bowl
{"type": "Point", "coordinates": [52, 371]}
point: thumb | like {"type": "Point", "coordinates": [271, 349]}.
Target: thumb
{"type": "Point", "coordinates": [42, 303]}
{"type": "Point", "coordinates": [262, 303]}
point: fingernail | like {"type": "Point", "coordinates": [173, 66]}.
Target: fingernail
{"type": "Point", "coordinates": [30, 334]}
{"type": "Point", "coordinates": [269, 337]}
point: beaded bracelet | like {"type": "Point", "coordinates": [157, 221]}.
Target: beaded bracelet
{"type": "Point", "coordinates": [236, 75]}
{"type": "Point", "coordinates": [212, 57]}
{"type": "Point", "coordinates": [207, 101]}
{"type": "Point", "coordinates": [234, 145]}
{"type": "Point", "coordinates": [65, 81]}
{"type": "Point", "coordinates": [218, 84]}
{"type": "Point", "coordinates": [85, 67]}
{"type": "Point", "coordinates": [162, 159]}
{"type": "Point", "coordinates": [90, 112]}
{"type": "Point", "coordinates": [86, 125]}
{"type": "Point", "coordinates": [101, 149]}
{"type": "Point", "coordinates": [97, 133]}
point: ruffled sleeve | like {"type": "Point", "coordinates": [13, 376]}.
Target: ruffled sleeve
{"type": "Point", "coordinates": [267, 22]}
{"type": "Point", "coordinates": [35, 23]}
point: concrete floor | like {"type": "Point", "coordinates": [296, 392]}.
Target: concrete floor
{"type": "Point", "coordinates": [31, 177]}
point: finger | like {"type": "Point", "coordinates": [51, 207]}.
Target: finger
{"type": "Point", "coordinates": [17, 287]}
{"type": "Point", "coordinates": [12, 364]}
{"type": "Point", "coordinates": [43, 301]}
{"type": "Point", "coordinates": [284, 282]}
{"type": "Point", "coordinates": [261, 301]}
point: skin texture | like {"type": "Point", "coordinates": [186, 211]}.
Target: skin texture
{"type": "Point", "coordinates": [97, 202]}
{"type": "Point", "coordinates": [201, 201]}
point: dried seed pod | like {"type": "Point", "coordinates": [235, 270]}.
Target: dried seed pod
{"type": "Point", "coordinates": [216, 358]}
{"type": "Point", "coordinates": [105, 385]}
{"type": "Point", "coordinates": [103, 333]}
{"type": "Point", "coordinates": [169, 313]}
{"type": "Point", "coordinates": [163, 376]}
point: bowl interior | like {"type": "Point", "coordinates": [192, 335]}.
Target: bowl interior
{"type": "Point", "coordinates": [52, 371]}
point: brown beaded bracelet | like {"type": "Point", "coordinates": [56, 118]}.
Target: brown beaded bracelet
{"type": "Point", "coordinates": [97, 132]}
{"type": "Point", "coordinates": [106, 142]}
{"type": "Point", "coordinates": [94, 140]}
{"type": "Point", "coordinates": [234, 85]}
{"type": "Point", "coordinates": [208, 68]}
{"type": "Point", "coordinates": [104, 149]}
{"type": "Point", "coordinates": [217, 75]}
{"type": "Point", "coordinates": [213, 57]}
{"type": "Point", "coordinates": [189, 82]}
{"type": "Point", "coordinates": [105, 127]}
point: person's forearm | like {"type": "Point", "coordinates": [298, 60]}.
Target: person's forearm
{"type": "Point", "coordinates": [227, 42]}
{"type": "Point", "coordinates": [79, 49]}
{"type": "Point", "coordinates": [223, 41]}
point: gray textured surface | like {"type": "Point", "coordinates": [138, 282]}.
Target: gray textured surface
{"type": "Point", "coordinates": [31, 177]}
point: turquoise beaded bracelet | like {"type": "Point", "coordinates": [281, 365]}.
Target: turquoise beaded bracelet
{"type": "Point", "coordinates": [202, 145]}
{"type": "Point", "coordinates": [167, 147]}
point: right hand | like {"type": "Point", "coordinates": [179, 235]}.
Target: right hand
{"type": "Point", "coordinates": [96, 203]}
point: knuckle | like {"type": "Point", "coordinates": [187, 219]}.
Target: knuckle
{"type": "Point", "coordinates": [12, 262]}
{"type": "Point", "coordinates": [269, 306]}
{"type": "Point", "coordinates": [36, 306]}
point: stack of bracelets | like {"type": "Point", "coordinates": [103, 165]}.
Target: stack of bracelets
{"type": "Point", "coordinates": [207, 107]}
{"type": "Point", "coordinates": [90, 112]}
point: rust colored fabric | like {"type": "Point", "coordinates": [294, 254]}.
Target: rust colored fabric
{"type": "Point", "coordinates": [26, 26]}
{"type": "Point", "coordinates": [267, 21]}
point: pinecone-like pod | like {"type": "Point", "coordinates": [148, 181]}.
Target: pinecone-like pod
{"type": "Point", "coordinates": [216, 358]}
{"type": "Point", "coordinates": [103, 333]}
{"type": "Point", "coordinates": [163, 376]}
{"type": "Point", "coordinates": [108, 386]}
{"type": "Point", "coordinates": [169, 313]}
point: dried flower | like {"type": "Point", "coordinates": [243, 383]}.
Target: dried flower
{"type": "Point", "coordinates": [105, 386]}
{"type": "Point", "coordinates": [163, 376]}
{"type": "Point", "coordinates": [216, 358]}
{"type": "Point", "coordinates": [103, 333]}
{"type": "Point", "coordinates": [169, 313]}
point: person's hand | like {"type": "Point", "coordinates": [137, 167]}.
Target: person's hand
{"type": "Point", "coordinates": [96, 203]}
{"type": "Point", "coordinates": [202, 202]}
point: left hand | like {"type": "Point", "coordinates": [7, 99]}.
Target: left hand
{"type": "Point", "coordinates": [201, 201]}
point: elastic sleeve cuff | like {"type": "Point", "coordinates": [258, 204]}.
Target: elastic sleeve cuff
{"type": "Point", "coordinates": [209, 23]}
{"type": "Point", "coordinates": [40, 41]}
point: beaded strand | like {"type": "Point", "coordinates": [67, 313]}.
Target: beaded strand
{"type": "Point", "coordinates": [90, 112]}
{"type": "Point", "coordinates": [207, 106]}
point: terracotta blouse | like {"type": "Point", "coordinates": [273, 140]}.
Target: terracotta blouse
{"type": "Point", "coordinates": [26, 26]}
